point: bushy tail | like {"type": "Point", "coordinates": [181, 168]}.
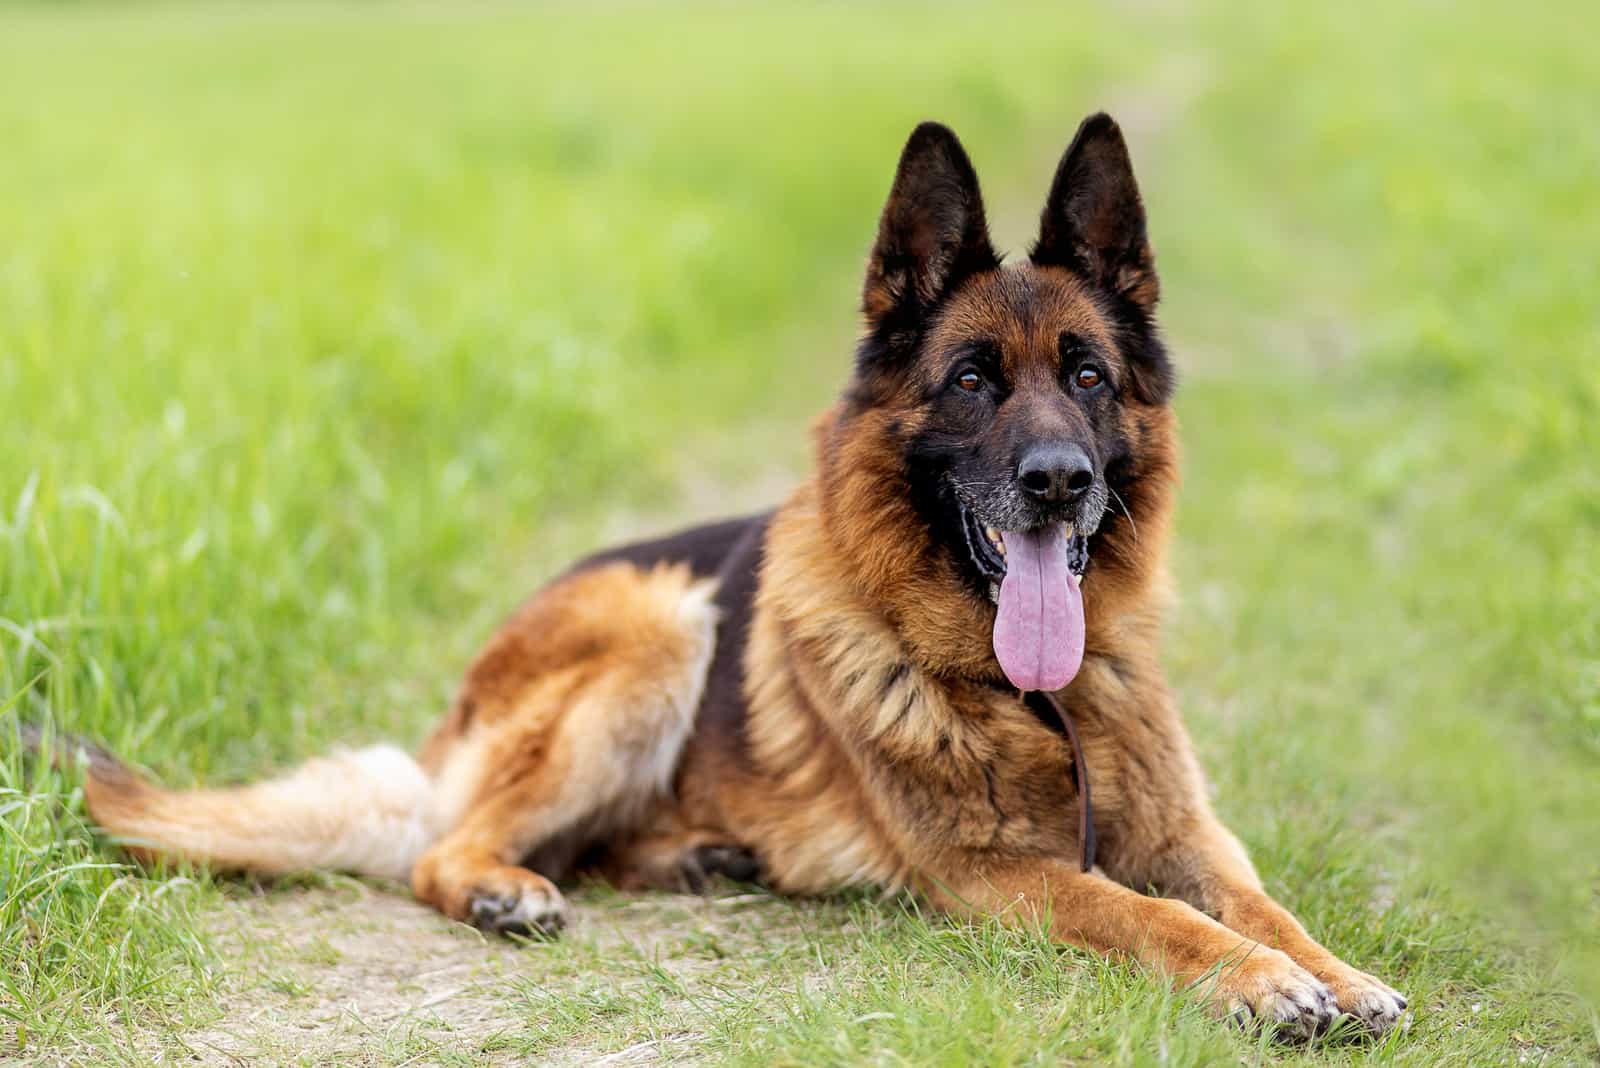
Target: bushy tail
{"type": "Point", "coordinates": [363, 811]}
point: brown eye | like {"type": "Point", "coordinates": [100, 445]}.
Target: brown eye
{"type": "Point", "coordinates": [1088, 376]}
{"type": "Point", "coordinates": [971, 382]}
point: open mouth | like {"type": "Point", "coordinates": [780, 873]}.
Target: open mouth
{"type": "Point", "coordinates": [1034, 578]}
{"type": "Point", "coordinates": [987, 547]}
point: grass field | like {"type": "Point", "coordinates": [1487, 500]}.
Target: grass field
{"type": "Point", "coordinates": [326, 332]}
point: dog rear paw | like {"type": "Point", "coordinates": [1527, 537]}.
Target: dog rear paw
{"type": "Point", "coordinates": [529, 911]}
{"type": "Point", "coordinates": [708, 861]}
{"type": "Point", "coordinates": [502, 898]}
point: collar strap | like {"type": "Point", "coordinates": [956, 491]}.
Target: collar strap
{"type": "Point", "coordinates": [1080, 772]}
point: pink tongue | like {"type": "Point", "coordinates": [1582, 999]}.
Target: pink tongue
{"type": "Point", "coordinates": [1038, 633]}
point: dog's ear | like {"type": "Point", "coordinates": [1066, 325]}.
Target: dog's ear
{"type": "Point", "coordinates": [932, 233]}
{"type": "Point", "coordinates": [1093, 221]}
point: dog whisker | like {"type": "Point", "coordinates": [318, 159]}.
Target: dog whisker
{"type": "Point", "coordinates": [1124, 506]}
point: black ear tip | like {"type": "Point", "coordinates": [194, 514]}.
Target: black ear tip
{"type": "Point", "coordinates": [1098, 126]}
{"type": "Point", "coordinates": [933, 148]}
{"type": "Point", "coordinates": [933, 137]}
{"type": "Point", "coordinates": [929, 132]}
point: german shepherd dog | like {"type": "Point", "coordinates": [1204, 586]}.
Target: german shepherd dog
{"type": "Point", "coordinates": [856, 689]}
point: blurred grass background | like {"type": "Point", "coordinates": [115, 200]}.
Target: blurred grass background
{"type": "Point", "coordinates": [326, 331]}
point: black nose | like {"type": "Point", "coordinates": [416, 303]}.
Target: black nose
{"type": "Point", "coordinates": [1055, 473]}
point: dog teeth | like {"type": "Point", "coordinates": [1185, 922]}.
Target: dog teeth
{"type": "Point", "coordinates": [994, 537]}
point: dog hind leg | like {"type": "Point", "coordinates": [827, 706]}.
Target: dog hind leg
{"type": "Point", "coordinates": [583, 704]}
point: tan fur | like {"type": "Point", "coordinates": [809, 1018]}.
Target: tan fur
{"type": "Point", "coordinates": [568, 730]}
{"type": "Point", "coordinates": [877, 743]}
{"type": "Point", "coordinates": [365, 812]}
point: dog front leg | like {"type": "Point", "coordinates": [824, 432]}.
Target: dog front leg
{"type": "Point", "coordinates": [1238, 976]}
{"type": "Point", "coordinates": [1208, 868]}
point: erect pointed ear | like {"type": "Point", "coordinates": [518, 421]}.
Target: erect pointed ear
{"type": "Point", "coordinates": [1093, 221]}
{"type": "Point", "coordinates": [932, 233]}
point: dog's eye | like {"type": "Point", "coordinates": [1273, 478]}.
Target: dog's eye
{"type": "Point", "coordinates": [1088, 376]}
{"type": "Point", "coordinates": [971, 381]}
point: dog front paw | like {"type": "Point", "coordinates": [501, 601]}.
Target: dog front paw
{"type": "Point", "coordinates": [1365, 998]}
{"type": "Point", "coordinates": [1266, 988]}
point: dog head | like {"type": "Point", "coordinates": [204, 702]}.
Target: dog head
{"type": "Point", "coordinates": [1013, 417]}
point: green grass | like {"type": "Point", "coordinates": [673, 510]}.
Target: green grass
{"type": "Point", "coordinates": [325, 332]}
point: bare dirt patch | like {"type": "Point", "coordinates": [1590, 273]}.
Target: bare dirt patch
{"type": "Point", "coordinates": [353, 974]}
{"type": "Point", "coordinates": [339, 972]}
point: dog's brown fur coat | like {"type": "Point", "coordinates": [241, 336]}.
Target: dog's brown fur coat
{"type": "Point", "coordinates": [874, 740]}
